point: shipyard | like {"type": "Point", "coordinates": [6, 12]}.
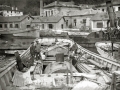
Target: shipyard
{"type": "Point", "coordinates": [59, 45]}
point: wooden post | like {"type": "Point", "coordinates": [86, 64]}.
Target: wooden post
{"type": "Point", "coordinates": [113, 83]}
{"type": "Point", "coordinates": [71, 76]}
{"type": "Point", "coordinates": [9, 75]}
{"type": "Point", "coordinates": [0, 87]}
{"type": "Point", "coordinates": [3, 84]}
{"type": "Point", "coordinates": [6, 80]}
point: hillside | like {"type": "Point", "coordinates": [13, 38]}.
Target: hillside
{"type": "Point", "coordinates": [32, 6]}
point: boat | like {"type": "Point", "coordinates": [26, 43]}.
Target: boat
{"type": "Point", "coordinates": [15, 40]}
{"type": "Point", "coordinates": [109, 48]}
{"type": "Point", "coordinates": [60, 68]}
{"type": "Point", "coordinates": [105, 49]}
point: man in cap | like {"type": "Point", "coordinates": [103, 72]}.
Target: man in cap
{"type": "Point", "coordinates": [32, 52]}
{"type": "Point", "coordinates": [37, 49]}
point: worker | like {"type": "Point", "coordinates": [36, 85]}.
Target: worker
{"type": "Point", "coordinates": [38, 50]}
{"type": "Point", "coordinates": [32, 49]}
{"type": "Point", "coordinates": [32, 52]}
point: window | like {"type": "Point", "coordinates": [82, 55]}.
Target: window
{"type": "Point", "coordinates": [62, 26]}
{"type": "Point", "coordinates": [5, 25]}
{"type": "Point", "coordinates": [84, 20]}
{"type": "Point", "coordinates": [28, 18]}
{"type": "Point", "coordinates": [66, 22]}
{"type": "Point", "coordinates": [0, 25]}
{"type": "Point", "coordinates": [42, 26]}
{"type": "Point", "coordinates": [75, 22]}
{"type": "Point", "coordinates": [99, 25]}
{"type": "Point", "coordinates": [118, 8]}
{"type": "Point", "coordinates": [28, 26]}
{"type": "Point", "coordinates": [103, 10]}
{"type": "Point", "coordinates": [96, 35]}
{"type": "Point", "coordinates": [11, 25]}
{"type": "Point", "coordinates": [51, 12]}
{"type": "Point", "coordinates": [50, 26]}
{"type": "Point", "coordinates": [46, 13]}
{"type": "Point", "coordinates": [16, 26]}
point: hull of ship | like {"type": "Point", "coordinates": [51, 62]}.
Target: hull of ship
{"type": "Point", "coordinates": [101, 48]}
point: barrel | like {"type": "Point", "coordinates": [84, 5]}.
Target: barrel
{"type": "Point", "coordinates": [60, 57]}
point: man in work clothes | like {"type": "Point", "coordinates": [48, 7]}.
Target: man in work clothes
{"type": "Point", "coordinates": [37, 50]}
{"type": "Point", "coordinates": [32, 52]}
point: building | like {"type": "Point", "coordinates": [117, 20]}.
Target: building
{"type": "Point", "coordinates": [99, 21]}
{"type": "Point", "coordinates": [103, 7]}
{"type": "Point", "coordinates": [80, 19]}
{"type": "Point", "coordinates": [47, 23]}
{"type": "Point", "coordinates": [15, 22]}
{"type": "Point", "coordinates": [59, 8]}
{"type": "Point", "coordinates": [9, 11]}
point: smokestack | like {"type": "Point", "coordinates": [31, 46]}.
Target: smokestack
{"type": "Point", "coordinates": [41, 7]}
{"type": "Point", "coordinates": [111, 13]}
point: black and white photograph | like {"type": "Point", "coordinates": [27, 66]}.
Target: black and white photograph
{"type": "Point", "coordinates": [59, 44]}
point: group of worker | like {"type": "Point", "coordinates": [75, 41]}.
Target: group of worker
{"type": "Point", "coordinates": [35, 50]}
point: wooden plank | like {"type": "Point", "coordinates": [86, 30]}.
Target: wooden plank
{"type": "Point", "coordinates": [10, 76]}
{"type": "Point", "coordinates": [0, 87]}
{"type": "Point", "coordinates": [6, 78]}
{"type": "Point", "coordinates": [95, 63]}
{"type": "Point", "coordinates": [6, 70]}
{"type": "Point", "coordinates": [2, 83]}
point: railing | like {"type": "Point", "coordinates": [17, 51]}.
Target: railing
{"type": "Point", "coordinates": [99, 60]}
{"type": "Point", "coordinates": [6, 75]}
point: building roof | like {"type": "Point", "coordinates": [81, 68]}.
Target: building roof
{"type": "Point", "coordinates": [5, 7]}
{"type": "Point", "coordinates": [16, 31]}
{"type": "Point", "coordinates": [114, 3]}
{"type": "Point", "coordinates": [52, 19]}
{"type": "Point", "coordinates": [61, 4]}
{"type": "Point", "coordinates": [12, 18]}
{"type": "Point", "coordinates": [83, 12]}
{"type": "Point", "coordinates": [8, 8]}
{"type": "Point", "coordinates": [103, 16]}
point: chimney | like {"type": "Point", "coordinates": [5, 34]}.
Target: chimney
{"type": "Point", "coordinates": [41, 7]}
{"type": "Point", "coordinates": [57, 1]}
{"type": "Point", "coordinates": [12, 8]}
{"type": "Point", "coordinates": [16, 8]}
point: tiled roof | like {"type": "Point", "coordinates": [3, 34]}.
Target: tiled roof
{"type": "Point", "coordinates": [52, 19]}
{"type": "Point", "coordinates": [12, 18]}
{"type": "Point", "coordinates": [60, 4]}
{"type": "Point", "coordinates": [103, 16]}
{"type": "Point", "coordinates": [83, 12]}
{"type": "Point", "coordinates": [5, 7]}
{"type": "Point", "coordinates": [100, 16]}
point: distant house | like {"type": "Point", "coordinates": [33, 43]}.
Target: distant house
{"type": "Point", "coordinates": [9, 11]}
{"type": "Point", "coordinates": [99, 21]}
{"type": "Point", "coordinates": [59, 8]}
{"type": "Point", "coordinates": [15, 22]}
{"type": "Point", "coordinates": [103, 7]}
{"type": "Point", "coordinates": [80, 19]}
{"type": "Point", "coordinates": [47, 23]}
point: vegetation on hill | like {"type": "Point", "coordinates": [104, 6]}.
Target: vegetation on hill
{"type": "Point", "coordinates": [32, 6]}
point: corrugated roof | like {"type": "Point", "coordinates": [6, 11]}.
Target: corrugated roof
{"type": "Point", "coordinates": [12, 18]}
{"type": "Point", "coordinates": [103, 16]}
{"type": "Point", "coordinates": [52, 19]}
{"type": "Point", "coordinates": [61, 4]}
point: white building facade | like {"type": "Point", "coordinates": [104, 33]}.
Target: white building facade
{"type": "Point", "coordinates": [7, 11]}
